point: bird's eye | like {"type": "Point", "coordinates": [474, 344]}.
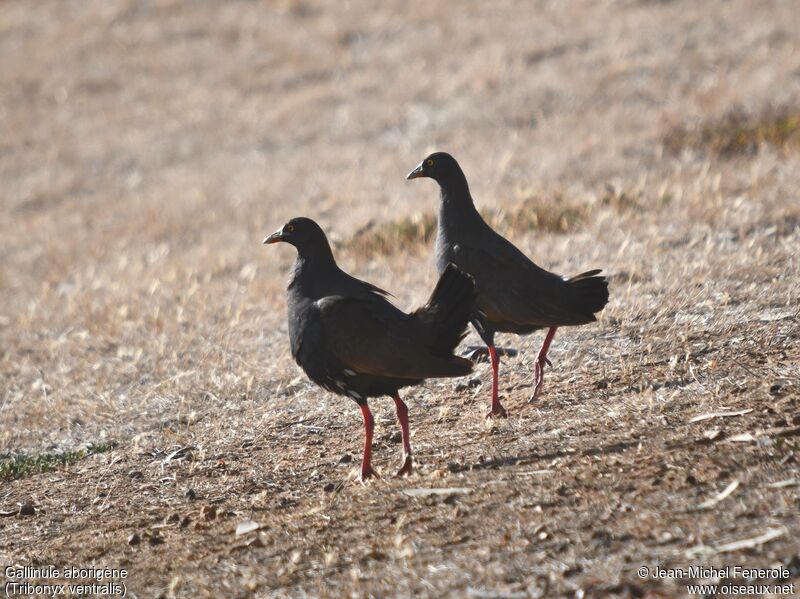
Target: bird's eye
{"type": "Point", "coordinates": [430, 162]}
{"type": "Point", "coordinates": [289, 228]}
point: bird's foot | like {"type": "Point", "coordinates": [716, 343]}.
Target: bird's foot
{"type": "Point", "coordinates": [367, 472]}
{"type": "Point", "coordinates": [497, 411]}
{"type": "Point", "coordinates": [481, 354]}
{"type": "Point", "coordinates": [538, 376]}
{"type": "Point", "coordinates": [408, 467]}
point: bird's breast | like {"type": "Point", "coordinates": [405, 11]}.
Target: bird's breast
{"type": "Point", "coordinates": [299, 320]}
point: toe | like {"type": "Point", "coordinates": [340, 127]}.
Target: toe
{"type": "Point", "coordinates": [367, 473]}
{"type": "Point", "coordinates": [408, 467]}
{"type": "Point", "coordinates": [497, 412]}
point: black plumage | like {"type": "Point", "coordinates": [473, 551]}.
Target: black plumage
{"type": "Point", "coordinates": [351, 340]}
{"type": "Point", "coordinates": [514, 294]}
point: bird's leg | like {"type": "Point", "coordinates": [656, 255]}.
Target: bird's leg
{"type": "Point", "coordinates": [541, 360]}
{"type": "Point", "coordinates": [497, 407]}
{"type": "Point", "coordinates": [402, 416]}
{"type": "Point", "coordinates": [369, 427]}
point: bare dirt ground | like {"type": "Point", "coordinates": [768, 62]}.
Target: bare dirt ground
{"type": "Point", "coordinates": [146, 148]}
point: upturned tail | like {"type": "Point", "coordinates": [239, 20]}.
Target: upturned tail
{"type": "Point", "coordinates": [447, 313]}
{"type": "Point", "coordinates": [589, 292]}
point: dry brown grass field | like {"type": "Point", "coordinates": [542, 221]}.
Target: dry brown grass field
{"type": "Point", "coordinates": [149, 403]}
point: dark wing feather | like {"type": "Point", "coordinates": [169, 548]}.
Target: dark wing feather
{"type": "Point", "coordinates": [513, 290]}
{"type": "Point", "coordinates": [371, 336]}
{"type": "Point", "coordinates": [348, 285]}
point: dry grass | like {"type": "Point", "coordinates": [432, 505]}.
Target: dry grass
{"type": "Point", "coordinates": [416, 232]}
{"type": "Point", "coordinates": [392, 236]}
{"type": "Point", "coordinates": [739, 132]}
{"type": "Point", "coordinates": [147, 148]}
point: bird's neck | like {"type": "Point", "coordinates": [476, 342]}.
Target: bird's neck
{"type": "Point", "coordinates": [456, 207]}
{"type": "Point", "coordinates": [309, 269]}
{"type": "Point", "coordinates": [319, 255]}
{"type": "Point", "coordinates": [455, 187]}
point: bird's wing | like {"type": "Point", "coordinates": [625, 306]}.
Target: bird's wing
{"type": "Point", "coordinates": [371, 336]}
{"type": "Point", "coordinates": [511, 288]}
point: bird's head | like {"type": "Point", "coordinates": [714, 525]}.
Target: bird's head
{"type": "Point", "coordinates": [303, 233]}
{"type": "Point", "coordinates": [439, 166]}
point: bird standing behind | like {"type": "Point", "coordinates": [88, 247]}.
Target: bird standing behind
{"type": "Point", "coordinates": [514, 294]}
{"type": "Point", "coordinates": [351, 340]}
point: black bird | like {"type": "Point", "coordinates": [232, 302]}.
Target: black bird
{"type": "Point", "coordinates": [351, 340]}
{"type": "Point", "coordinates": [514, 294]}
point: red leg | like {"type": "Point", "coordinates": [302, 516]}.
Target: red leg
{"type": "Point", "coordinates": [497, 407]}
{"type": "Point", "coordinates": [541, 360]}
{"type": "Point", "coordinates": [402, 416]}
{"type": "Point", "coordinates": [369, 427]}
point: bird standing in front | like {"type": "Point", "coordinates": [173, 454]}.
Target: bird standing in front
{"type": "Point", "coordinates": [514, 294]}
{"type": "Point", "coordinates": [351, 340]}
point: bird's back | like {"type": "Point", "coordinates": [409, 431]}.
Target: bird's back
{"type": "Point", "coordinates": [514, 293]}
{"type": "Point", "coordinates": [351, 340]}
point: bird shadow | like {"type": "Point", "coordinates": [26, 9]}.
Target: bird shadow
{"type": "Point", "coordinates": [534, 457]}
